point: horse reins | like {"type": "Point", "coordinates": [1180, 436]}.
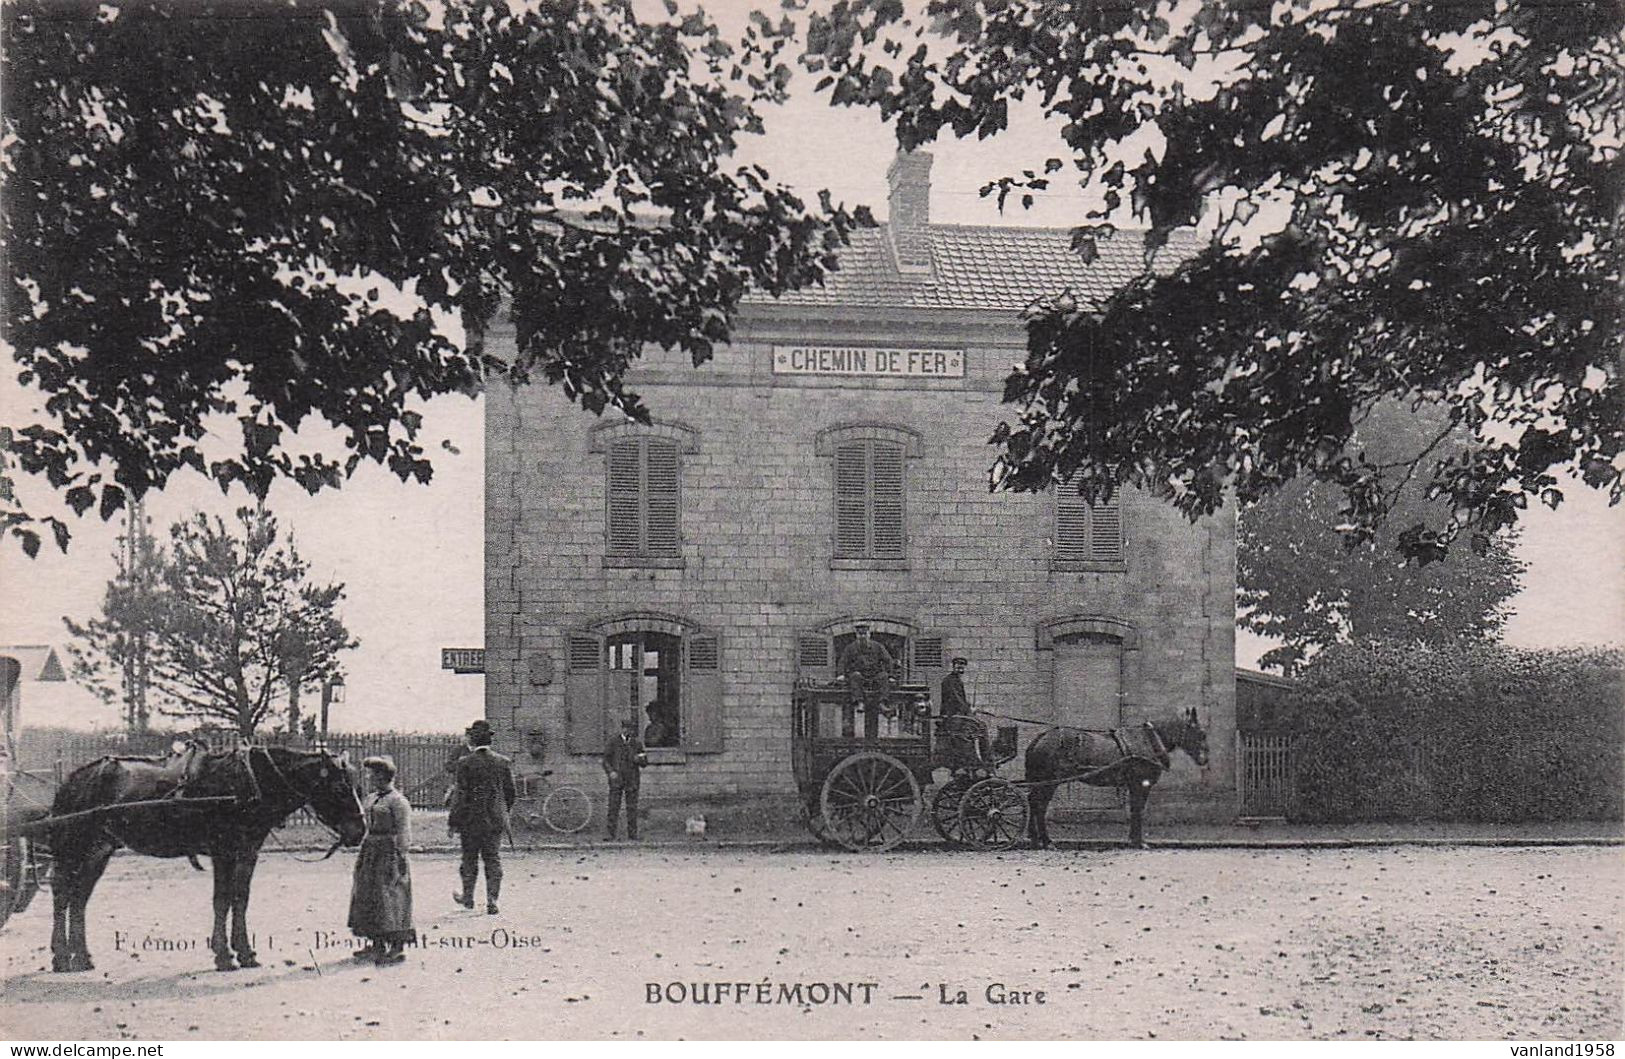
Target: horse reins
{"type": "Point", "coordinates": [1127, 758]}
{"type": "Point", "coordinates": [304, 796]}
{"type": "Point", "coordinates": [1052, 724]}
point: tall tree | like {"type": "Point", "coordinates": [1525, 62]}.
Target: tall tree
{"type": "Point", "coordinates": [1414, 200]}
{"type": "Point", "coordinates": [118, 667]}
{"type": "Point", "coordinates": [231, 217]}
{"type": "Point", "coordinates": [230, 602]}
{"type": "Point", "coordinates": [1300, 582]}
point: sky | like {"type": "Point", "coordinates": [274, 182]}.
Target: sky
{"type": "Point", "coordinates": [411, 555]}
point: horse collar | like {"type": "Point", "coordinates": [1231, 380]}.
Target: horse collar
{"type": "Point", "coordinates": [1165, 757]}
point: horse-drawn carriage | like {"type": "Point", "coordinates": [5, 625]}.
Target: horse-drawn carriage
{"type": "Point", "coordinates": [863, 776]}
{"type": "Point", "coordinates": [27, 795]}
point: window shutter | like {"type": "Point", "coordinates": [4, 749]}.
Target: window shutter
{"type": "Point", "coordinates": [1106, 531]}
{"type": "Point", "coordinates": [660, 497]}
{"type": "Point", "coordinates": [929, 665]}
{"type": "Point", "coordinates": [851, 501]}
{"type": "Point", "coordinates": [584, 713]}
{"type": "Point", "coordinates": [1087, 532]}
{"type": "Point", "coordinates": [1071, 525]}
{"type": "Point", "coordinates": [814, 657]}
{"type": "Point", "coordinates": [886, 507]}
{"type": "Point", "coordinates": [702, 729]}
{"type": "Point", "coordinates": [625, 502]}
{"type": "Point", "coordinates": [702, 687]}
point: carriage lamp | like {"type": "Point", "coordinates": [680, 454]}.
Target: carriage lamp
{"type": "Point", "coordinates": [332, 691]}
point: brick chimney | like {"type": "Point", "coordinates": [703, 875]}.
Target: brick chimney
{"type": "Point", "coordinates": [909, 202]}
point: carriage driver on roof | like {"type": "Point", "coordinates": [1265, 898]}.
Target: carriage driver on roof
{"type": "Point", "coordinates": [869, 670]}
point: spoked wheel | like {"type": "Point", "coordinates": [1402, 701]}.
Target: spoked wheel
{"type": "Point", "coordinates": [567, 809]}
{"type": "Point", "coordinates": [945, 809]}
{"type": "Point", "coordinates": [20, 881]}
{"type": "Point", "coordinates": [869, 802]}
{"type": "Point", "coordinates": [993, 814]}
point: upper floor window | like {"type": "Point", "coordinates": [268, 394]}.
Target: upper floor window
{"type": "Point", "coordinates": [870, 486]}
{"type": "Point", "coordinates": [643, 509]}
{"type": "Point", "coordinates": [869, 500]}
{"type": "Point", "coordinates": [643, 491]}
{"type": "Point", "coordinates": [1088, 535]}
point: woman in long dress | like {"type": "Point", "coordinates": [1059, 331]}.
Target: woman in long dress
{"type": "Point", "coordinates": [381, 897]}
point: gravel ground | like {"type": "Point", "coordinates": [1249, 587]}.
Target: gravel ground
{"type": "Point", "coordinates": [1402, 942]}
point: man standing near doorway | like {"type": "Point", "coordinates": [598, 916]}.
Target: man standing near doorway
{"type": "Point", "coordinates": [623, 761]}
{"type": "Point", "coordinates": [869, 670]}
{"type": "Point", "coordinates": [480, 800]}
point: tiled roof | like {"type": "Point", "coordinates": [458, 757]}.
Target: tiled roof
{"type": "Point", "coordinates": [981, 268]}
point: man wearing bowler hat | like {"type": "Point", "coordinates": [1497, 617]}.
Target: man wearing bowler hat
{"type": "Point", "coordinates": [623, 762]}
{"type": "Point", "coordinates": [483, 794]}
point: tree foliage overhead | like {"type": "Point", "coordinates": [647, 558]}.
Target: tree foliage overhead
{"type": "Point", "coordinates": [1300, 583]}
{"type": "Point", "coordinates": [227, 617]}
{"type": "Point", "coordinates": [1416, 200]}
{"type": "Point", "coordinates": [244, 214]}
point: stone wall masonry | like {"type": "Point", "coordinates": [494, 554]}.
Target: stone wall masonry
{"type": "Point", "coordinates": [757, 515]}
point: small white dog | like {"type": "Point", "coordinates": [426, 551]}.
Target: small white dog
{"type": "Point", "coordinates": [696, 825]}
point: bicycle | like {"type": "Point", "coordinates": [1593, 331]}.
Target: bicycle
{"type": "Point", "coordinates": [563, 808]}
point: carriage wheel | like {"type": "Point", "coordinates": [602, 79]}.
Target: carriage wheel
{"type": "Point", "coordinates": [567, 809]}
{"type": "Point", "coordinates": [945, 809]}
{"type": "Point", "coordinates": [870, 801]}
{"type": "Point", "coordinates": [993, 814]}
{"type": "Point", "coordinates": [19, 881]}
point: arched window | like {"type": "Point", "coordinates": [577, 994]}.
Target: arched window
{"type": "Point", "coordinates": [657, 670]}
{"type": "Point", "coordinates": [921, 654]}
{"type": "Point", "coordinates": [870, 488]}
{"type": "Point", "coordinates": [643, 491]}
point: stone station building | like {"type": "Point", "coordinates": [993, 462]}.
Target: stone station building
{"type": "Point", "coordinates": [830, 467]}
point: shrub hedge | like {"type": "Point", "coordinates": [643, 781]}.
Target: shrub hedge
{"type": "Point", "coordinates": [1464, 732]}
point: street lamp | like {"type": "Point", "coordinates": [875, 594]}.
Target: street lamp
{"type": "Point", "coordinates": [332, 691]}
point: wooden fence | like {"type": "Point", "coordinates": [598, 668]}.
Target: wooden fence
{"type": "Point", "coordinates": [419, 758]}
{"type": "Point", "coordinates": [1264, 773]}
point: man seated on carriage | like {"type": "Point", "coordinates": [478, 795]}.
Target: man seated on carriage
{"type": "Point", "coordinates": [964, 732]}
{"type": "Point", "coordinates": [870, 671]}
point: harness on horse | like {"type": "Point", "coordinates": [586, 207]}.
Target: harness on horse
{"type": "Point", "coordinates": [1150, 736]}
{"type": "Point", "coordinates": [186, 767]}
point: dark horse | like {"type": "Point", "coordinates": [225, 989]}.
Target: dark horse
{"type": "Point", "coordinates": [1124, 757]}
{"type": "Point", "coordinates": [220, 804]}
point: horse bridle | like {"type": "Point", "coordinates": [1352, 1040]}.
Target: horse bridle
{"type": "Point", "coordinates": [305, 796]}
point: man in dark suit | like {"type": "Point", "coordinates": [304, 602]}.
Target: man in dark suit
{"type": "Point", "coordinates": [623, 760]}
{"type": "Point", "coordinates": [480, 801]}
{"type": "Point", "coordinates": [869, 671]}
{"type": "Point", "coordinates": [969, 734]}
